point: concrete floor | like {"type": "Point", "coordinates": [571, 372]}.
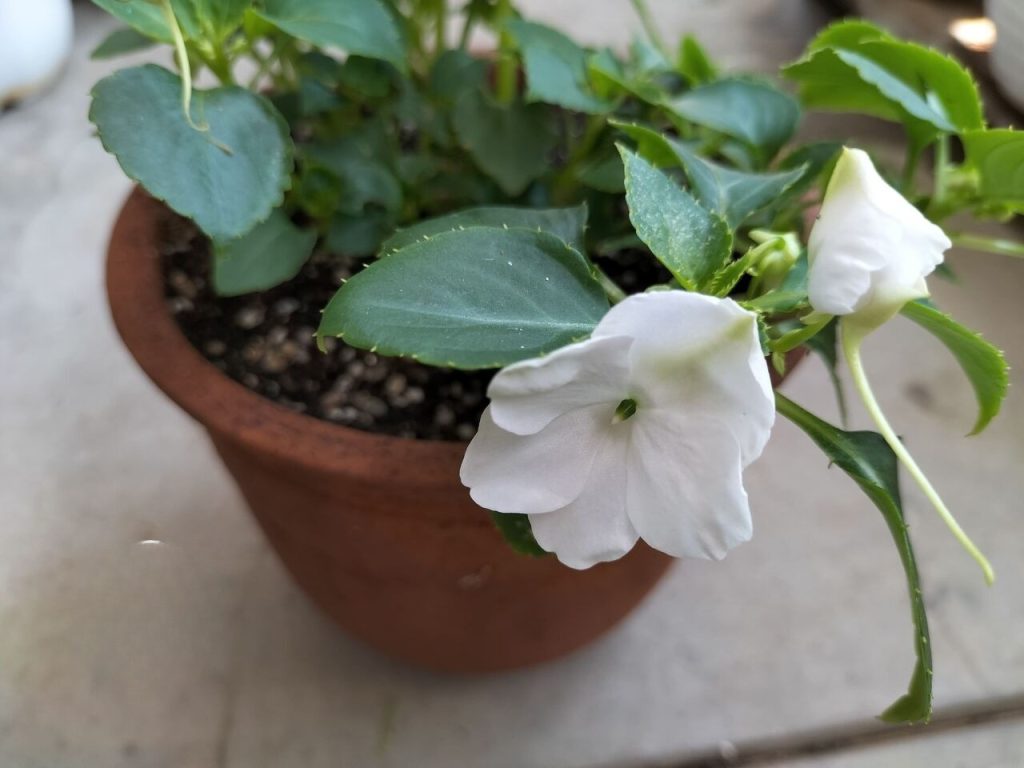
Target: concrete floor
{"type": "Point", "coordinates": [144, 623]}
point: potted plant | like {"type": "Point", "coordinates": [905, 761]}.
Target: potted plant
{"type": "Point", "coordinates": [344, 266]}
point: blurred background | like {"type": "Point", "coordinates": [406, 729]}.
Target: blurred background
{"type": "Point", "coordinates": [145, 624]}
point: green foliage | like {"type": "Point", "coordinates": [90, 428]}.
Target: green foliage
{"type": "Point", "coordinates": [997, 157]}
{"type": "Point", "coordinates": [983, 363]}
{"type": "Point", "coordinates": [556, 68]}
{"type": "Point", "coordinates": [755, 113]}
{"type": "Point", "coordinates": [122, 41]}
{"type": "Point", "coordinates": [691, 241]}
{"type": "Point", "coordinates": [511, 143]}
{"type": "Point", "coordinates": [567, 224]}
{"type": "Point", "coordinates": [268, 255]}
{"type": "Point", "coordinates": [870, 462]}
{"type": "Point", "coordinates": [364, 27]}
{"type": "Point", "coordinates": [226, 178]}
{"type": "Point", "coordinates": [145, 17]}
{"type": "Point", "coordinates": [481, 297]}
{"type": "Point", "coordinates": [856, 67]}
{"type": "Point", "coordinates": [694, 62]}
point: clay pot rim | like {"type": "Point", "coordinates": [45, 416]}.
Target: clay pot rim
{"type": "Point", "coordinates": [135, 290]}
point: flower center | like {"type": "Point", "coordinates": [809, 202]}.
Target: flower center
{"type": "Point", "coordinates": [625, 410]}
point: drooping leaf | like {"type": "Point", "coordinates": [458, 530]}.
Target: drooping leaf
{"type": "Point", "coordinates": [854, 67]}
{"type": "Point", "coordinates": [226, 178]}
{"type": "Point", "coordinates": [516, 530]}
{"type": "Point", "coordinates": [365, 27]}
{"type": "Point", "coordinates": [556, 68]}
{"type": "Point", "coordinates": [122, 41]}
{"type": "Point", "coordinates": [998, 158]}
{"type": "Point", "coordinates": [756, 113]}
{"type": "Point", "coordinates": [983, 363]}
{"type": "Point", "coordinates": [272, 253]}
{"type": "Point", "coordinates": [482, 297]}
{"type": "Point", "coordinates": [870, 462]}
{"type": "Point", "coordinates": [691, 241]}
{"type": "Point", "coordinates": [511, 144]}
{"type": "Point", "coordinates": [567, 224]}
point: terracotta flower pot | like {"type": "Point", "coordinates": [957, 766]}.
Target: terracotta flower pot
{"type": "Point", "coordinates": [377, 530]}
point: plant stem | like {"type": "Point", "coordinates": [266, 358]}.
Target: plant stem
{"type": "Point", "coordinates": [647, 19]}
{"type": "Point", "coordinates": [851, 342]}
{"type": "Point", "coordinates": [988, 244]}
{"type": "Point", "coordinates": [937, 210]}
{"type": "Point", "coordinates": [611, 288]}
{"type": "Point", "coordinates": [181, 53]}
{"type": "Point", "coordinates": [508, 70]}
{"type": "Point", "coordinates": [910, 171]}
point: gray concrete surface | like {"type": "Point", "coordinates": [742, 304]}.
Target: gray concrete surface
{"type": "Point", "coordinates": [144, 623]}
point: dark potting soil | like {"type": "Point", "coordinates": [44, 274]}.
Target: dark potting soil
{"type": "Point", "coordinates": [265, 341]}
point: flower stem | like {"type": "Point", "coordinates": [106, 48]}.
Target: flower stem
{"type": "Point", "coordinates": [650, 27]}
{"type": "Point", "coordinates": [851, 341]}
{"type": "Point", "coordinates": [989, 244]}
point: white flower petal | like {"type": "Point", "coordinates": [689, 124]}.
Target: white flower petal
{"type": "Point", "coordinates": [595, 528]}
{"type": "Point", "coordinates": [527, 396]}
{"type": "Point", "coordinates": [698, 354]}
{"type": "Point", "coordinates": [870, 249]}
{"type": "Point", "coordinates": [534, 473]}
{"type": "Point", "coordinates": [684, 486]}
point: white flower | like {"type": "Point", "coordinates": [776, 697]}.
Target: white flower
{"type": "Point", "coordinates": [870, 249]}
{"type": "Point", "coordinates": [641, 431]}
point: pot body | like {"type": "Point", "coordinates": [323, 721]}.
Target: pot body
{"type": "Point", "coordinates": [1008, 55]}
{"type": "Point", "coordinates": [377, 530]}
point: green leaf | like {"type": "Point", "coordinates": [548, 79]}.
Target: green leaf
{"type": "Point", "coordinates": [556, 68]}
{"type": "Point", "coordinates": [360, 235]}
{"type": "Point", "coordinates": [456, 72]}
{"type": "Point", "coordinates": [227, 178]}
{"type": "Point", "coordinates": [363, 178]}
{"type": "Point", "coordinates": [779, 301]}
{"type": "Point", "coordinates": [145, 17]}
{"type": "Point", "coordinates": [605, 174]}
{"type": "Point", "coordinates": [736, 195]}
{"type": "Point", "coordinates": [219, 17]}
{"type": "Point", "coordinates": [272, 253]}
{"type": "Point", "coordinates": [694, 63]}
{"type": "Point", "coordinates": [120, 42]}
{"type": "Point", "coordinates": [482, 297]}
{"type": "Point", "coordinates": [567, 224]}
{"type": "Point", "coordinates": [516, 531]}
{"type": "Point", "coordinates": [998, 158]}
{"type": "Point", "coordinates": [870, 462]}
{"type": "Point", "coordinates": [653, 146]}
{"type": "Point", "coordinates": [148, 18]}
{"type": "Point", "coordinates": [511, 144]}
{"type": "Point", "coordinates": [757, 114]}
{"type": "Point", "coordinates": [365, 27]}
{"type": "Point", "coordinates": [854, 67]}
{"type": "Point", "coordinates": [983, 363]}
{"type": "Point", "coordinates": [691, 241]}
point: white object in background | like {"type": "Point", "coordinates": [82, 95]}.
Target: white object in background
{"type": "Point", "coordinates": [35, 40]}
{"type": "Point", "coordinates": [1008, 53]}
